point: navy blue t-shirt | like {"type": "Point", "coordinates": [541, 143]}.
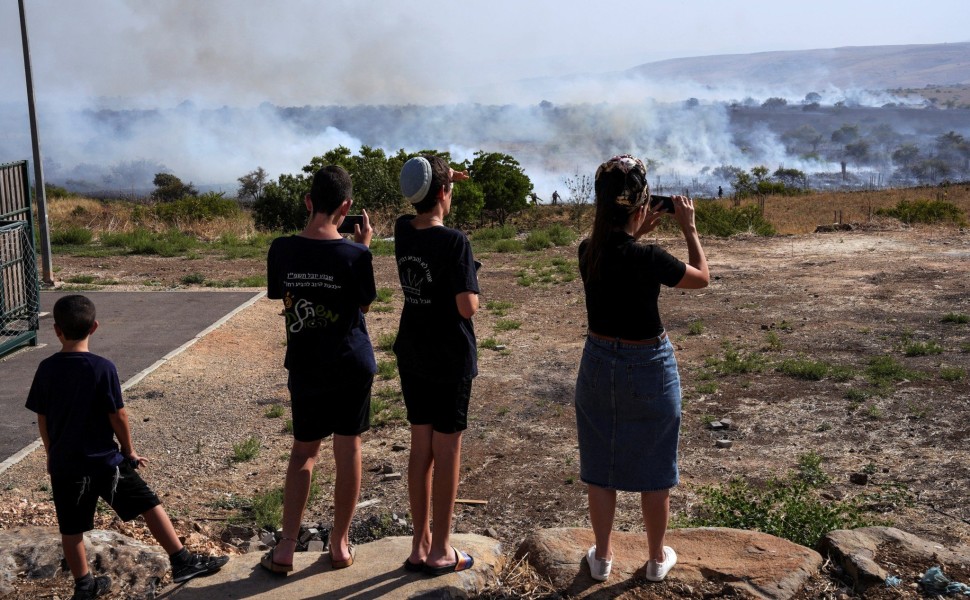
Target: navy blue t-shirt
{"type": "Point", "coordinates": [622, 302]}
{"type": "Point", "coordinates": [323, 284]}
{"type": "Point", "coordinates": [434, 265]}
{"type": "Point", "coordinates": [76, 391]}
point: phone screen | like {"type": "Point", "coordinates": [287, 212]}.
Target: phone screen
{"type": "Point", "coordinates": [349, 221]}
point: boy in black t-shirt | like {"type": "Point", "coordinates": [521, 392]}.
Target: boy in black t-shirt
{"type": "Point", "coordinates": [77, 398]}
{"type": "Point", "coordinates": [326, 284]}
{"type": "Point", "coordinates": [436, 356]}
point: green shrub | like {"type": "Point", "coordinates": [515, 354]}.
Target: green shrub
{"type": "Point", "coordinates": [384, 294]}
{"type": "Point", "coordinates": [560, 235]}
{"type": "Point", "coordinates": [508, 246]}
{"type": "Point", "coordinates": [71, 236]}
{"type": "Point", "coordinates": [537, 240]}
{"type": "Point", "coordinates": [142, 241]}
{"type": "Point", "coordinates": [193, 279]}
{"type": "Point", "coordinates": [507, 324]}
{"type": "Point", "coordinates": [789, 508]}
{"type": "Point", "coordinates": [245, 450]}
{"type": "Point", "coordinates": [958, 318]}
{"type": "Point", "coordinates": [801, 368]}
{"type": "Point", "coordinates": [714, 219]}
{"type": "Point", "coordinates": [82, 279]}
{"type": "Point", "coordinates": [204, 207]}
{"type": "Point", "coordinates": [499, 308]}
{"type": "Point", "coordinates": [736, 363]}
{"type": "Point", "coordinates": [382, 247]}
{"type": "Point", "coordinates": [883, 370]}
{"type": "Point", "coordinates": [274, 412]}
{"type": "Point", "coordinates": [952, 374]}
{"type": "Point", "coordinates": [386, 369]}
{"type": "Point", "coordinates": [695, 327]}
{"type": "Point", "coordinates": [385, 341]}
{"type": "Point", "coordinates": [493, 234]}
{"type": "Point", "coordinates": [925, 211]}
{"type": "Point", "coordinates": [387, 407]}
{"type": "Point", "coordinates": [922, 348]}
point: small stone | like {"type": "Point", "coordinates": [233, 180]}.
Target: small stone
{"type": "Point", "coordinates": [498, 347]}
{"type": "Point", "coordinates": [859, 478]}
{"type": "Point", "coordinates": [728, 423]}
{"type": "Point", "coordinates": [267, 538]}
{"type": "Point", "coordinates": [387, 469]}
{"type": "Point", "coordinates": [391, 477]}
{"type": "Point", "coordinates": [490, 532]}
{"type": "Point", "coordinates": [724, 443]}
{"type": "Point", "coordinates": [315, 546]}
{"type": "Point", "coordinates": [715, 425]}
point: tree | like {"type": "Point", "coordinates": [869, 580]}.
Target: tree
{"type": "Point", "coordinates": [845, 134]}
{"type": "Point", "coordinates": [792, 179]}
{"type": "Point", "coordinates": [906, 155]}
{"type": "Point", "coordinates": [251, 184]}
{"type": "Point", "coordinates": [467, 201]}
{"type": "Point", "coordinates": [774, 102]}
{"type": "Point", "coordinates": [813, 98]}
{"type": "Point", "coordinates": [281, 206]}
{"type": "Point", "coordinates": [505, 186]}
{"type": "Point", "coordinates": [168, 187]}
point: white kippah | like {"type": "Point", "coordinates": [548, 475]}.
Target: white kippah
{"type": "Point", "coordinates": [416, 179]}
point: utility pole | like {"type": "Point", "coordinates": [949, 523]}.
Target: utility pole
{"type": "Point", "coordinates": [40, 194]}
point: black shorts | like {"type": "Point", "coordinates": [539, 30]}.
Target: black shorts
{"type": "Point", "coordinates": [76, 496]}
{"type": "Point", "coordinates": [326, 404]}
{"type": "Point", "coordinates": [439, 402]}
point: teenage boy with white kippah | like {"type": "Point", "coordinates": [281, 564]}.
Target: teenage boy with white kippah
{"type": "Point", "coordinates": [436, 354]}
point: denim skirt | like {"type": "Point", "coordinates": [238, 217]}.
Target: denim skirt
{"type": "Point", "coordinates": [628, 415]}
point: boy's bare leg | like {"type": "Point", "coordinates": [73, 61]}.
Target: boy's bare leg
{"type": "Point", "coordinates": [296, 490]}
{"type": "Point", "coordinates": [602, 510]}
{"type": "Point", "coordinates": [656, 511]}
{"type": "Point", "coordinates": [420, 464]}
{"type": "Point", "coordinates": [446, 449]}
{"type": "Point", "coordinates": [161, 527]}
{"type": "Point", "coordinates": [346, 453]}
{"type": "Point", "coordinates": [74, 554]}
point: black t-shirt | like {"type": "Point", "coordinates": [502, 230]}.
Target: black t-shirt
{"type": "Point", "coordinates": [76, 391]}
{"type": "Point", "coordinates": [622, 302]}
{"type": "Point", "coordinates": [434, 265]}
{"type": "Point", "coordinates": [323, 284]}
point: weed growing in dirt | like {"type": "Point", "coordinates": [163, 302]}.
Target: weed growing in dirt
{"type": "Point", "coordinates": [385, 341]}
{"type": "Point", "coordinates": [507, 325]}
{"type": "Point", "coordinates": [143, 241]}
{"type": "Point", "coordinates": [952, 374]}
{"type": "Point", "coordinates": [288, 426]}
{"type": "Point", "coordinates": [72, 236]}
{"type": "Point", "coordinates": [735, 363]}
{"type": "Point", "coordinates": [958, 318]}
{"type": "Point", "coordinates": [772, 341]}
{"type": "Point", "coordinates": [382, 247]}
{"type": "Point", "coordinates": [274, 412]}
{"type": "Point", "coordinates": [788, 507]}
{"type": "Point", "coordinates": [266, 509]}
{"type": "Point", "coordinates": [706, 388]}
{"type": "Point", "coordinates": [922, 348]}
{"type": "Point", "coordinates": [488, 343]}
{"type": "Point", "coordinates": [246, 450]}
{"type": "Point", "coordinates": [499, 308]}
{"type": "Point", "coordinates": [547, 272]}
{"type": "Point", "coordinates": [384, 294]}
{"type": "Point", "coordinates": [884, 370]}
{"type": "Point", "coordinates": [193, 279]}
{"type": "Point", "coordinates": [803, 368]}
{"type": "Point", "coordinates": [82, 279]}
{"type": "Point", "coordinates": [387, 369]}
{"type": "Point", "coordinates": [695, 327]}
{"type": "Point", "coordinates": [387, 407]}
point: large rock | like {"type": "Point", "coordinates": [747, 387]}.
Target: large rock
{"type": "Point", "coordinates": [860, 551]}
{"type": "Point", "coordinates": [752, 564]}
{"type": "Point", "coordinates": [377, 572]}
{"type": "Point", "coordinates": [37, 553]}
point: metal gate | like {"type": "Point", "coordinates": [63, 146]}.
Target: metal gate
{"type": "Point", "coordinates": [19, 286]}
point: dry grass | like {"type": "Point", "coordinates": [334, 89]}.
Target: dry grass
{"type": "Point", "coordinates": [789, 214]}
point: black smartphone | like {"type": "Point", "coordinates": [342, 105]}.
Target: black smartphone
{"type": "Point", "coordinates": [349, 221]}
{"type": "Point", "coordinates": [662, 203]}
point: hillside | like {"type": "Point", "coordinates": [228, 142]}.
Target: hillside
{"type": "Point", "coordinates": [872, 67]}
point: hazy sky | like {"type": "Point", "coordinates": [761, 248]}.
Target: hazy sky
{"type": "Point", "coordinates": [242, 52]}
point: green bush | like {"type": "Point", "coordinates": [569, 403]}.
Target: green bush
{"type": "Point", "coordinates": [925, 211]}
{"type": "Point", "coordinates": [958, 318]}
{"type": "Point", "coordinates": [538, 240]}
{"type": "Point", "coordinates": [72, 236]}
{"type": "Point", "coordinates": [142, 241]}
{"type": "Point", "coordinates": [801, 368]}
{"type": "Point", "coordinates": [508, 246]}
{"type": "Point", "coordinates": [714, 219]}
{"type": "Point", "coordinates": [560, 235]}
{"type": "Point", "coordinates": [204, 207]}
{"type": "Point", "coordinates": [246, 450]}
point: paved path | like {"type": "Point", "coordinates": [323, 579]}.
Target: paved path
{"type": "Point", "coordinates": [137, 330]}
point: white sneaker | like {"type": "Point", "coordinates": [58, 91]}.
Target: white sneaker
{"type": "Point", "coordinates": [656, 571]}
{"type": "Point", "coordinates": [599, 569]}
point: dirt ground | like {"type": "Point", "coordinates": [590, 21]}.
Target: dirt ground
{"type": "Point", "coordinates": [842, 298]}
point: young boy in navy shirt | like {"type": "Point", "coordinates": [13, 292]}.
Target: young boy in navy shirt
{"type": "Point", "coordinates": [77, 397]}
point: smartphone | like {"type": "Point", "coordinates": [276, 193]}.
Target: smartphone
{"type": "Point", "coordinates": [349, 221]}
{"type": "Point", "coordinates": [661, 203]}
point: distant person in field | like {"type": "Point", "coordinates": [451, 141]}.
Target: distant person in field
{"type": "Point", "coordinates": [555, 198]}
{"type": "Point", "coordinates": [327, 285]}
{"type": "Point", "coordinates": [720, 192]}
{"type": "Point", "coordinates": [436, 356]}
{"type": "Point", "coordinates": [628, 388]}
{"type": "Point", "coordinates": [534, 197]}
{"type": "Point", "coordinates": [80, 412]}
